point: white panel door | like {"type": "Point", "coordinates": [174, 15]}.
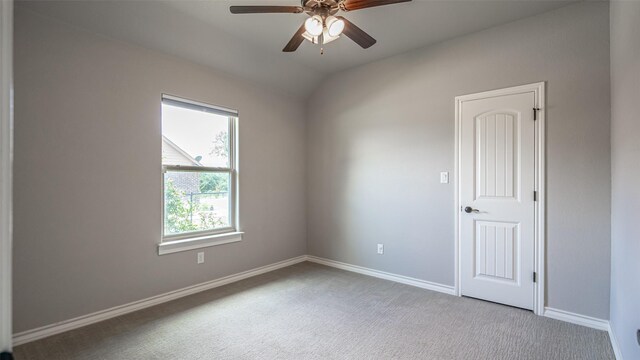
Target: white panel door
{"type": "Point", "coordinates": [497, 179]}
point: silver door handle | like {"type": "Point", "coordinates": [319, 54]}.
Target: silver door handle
{"type": "Point", "coordinates": [469, 210]}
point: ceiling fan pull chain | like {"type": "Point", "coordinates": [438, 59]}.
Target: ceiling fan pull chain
{"type": "Point", "coordinates": [321, 51]}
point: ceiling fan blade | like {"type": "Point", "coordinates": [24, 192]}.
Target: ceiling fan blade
{"type": "Point", "coordinates": [295, 41]}
{"type": "Point", "coordinates": [265, 9]}
{"type": "Point", "coordinates": [356, 34]}
{"type": "Point", "coordinates": [350, 5]}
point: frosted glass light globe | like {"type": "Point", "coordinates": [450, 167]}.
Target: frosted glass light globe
{"type": "Point", "coordinates": [313, 25]}
{"type": "Point", "coordinates": [335, 26]}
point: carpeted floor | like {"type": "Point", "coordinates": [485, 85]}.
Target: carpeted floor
{"type": "Point", "coordinates": [309, 311]}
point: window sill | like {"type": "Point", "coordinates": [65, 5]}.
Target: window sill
{"type": "Point", "coordinates": [198, 242]}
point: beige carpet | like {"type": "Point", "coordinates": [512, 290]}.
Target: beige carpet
{"type": "Point", "coordinates": [309, 311]}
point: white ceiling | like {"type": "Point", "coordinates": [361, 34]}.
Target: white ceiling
{"type": "Point", "coordinates": [250, 45]}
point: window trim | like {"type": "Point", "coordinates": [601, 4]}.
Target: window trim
{"type": "Point", "coordinates": [205, 238]}
{"type": "Point", "coordinates": [192, 243]}
{"type": "Point", "coordinates": [192, 104]}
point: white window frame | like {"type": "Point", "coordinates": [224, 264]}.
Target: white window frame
{"type": "Point", "coordinates": [205, 238]}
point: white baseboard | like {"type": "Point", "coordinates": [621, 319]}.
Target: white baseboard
{"type": "Point", "coordinates": [384, 275]}
{"type": "Point", "coordinates": [66, 325]}
{"type": "Point", "coordinates": [614, 343]}
{"type": "Point", "coordinates": [578, 319]}
{"type": "Point", "coordinates": [62, 326]}
{"type": "Point", "coordinates": [588, 321]}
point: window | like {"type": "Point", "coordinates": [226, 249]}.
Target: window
{"type": "Point", "coordinates": [199, 175]}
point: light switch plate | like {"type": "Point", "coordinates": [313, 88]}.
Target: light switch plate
{"type": "Point", "coordinates": [200, 257]}
{"type": "Point", "coordinates": [444, 177]}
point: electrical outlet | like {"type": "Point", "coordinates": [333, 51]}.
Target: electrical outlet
{"type": "Point", "coordinates": [200, 257]}
{"type": "Point", "coordinates": [380, 249]}
{"type": "Point", "coordinates": [444, 177]}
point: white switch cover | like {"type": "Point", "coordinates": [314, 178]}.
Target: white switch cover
{"type": "Point", "coordinates": [444, 177]}
{"type": "Point", "coordinates": [380, 249]}
{"type": "Point", "coordinates": [200, 257]}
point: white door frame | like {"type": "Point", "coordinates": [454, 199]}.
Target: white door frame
{"type": "Point", "coordinates": [539, 224]}
{"type": "Point", "coordinates": [6, 156]}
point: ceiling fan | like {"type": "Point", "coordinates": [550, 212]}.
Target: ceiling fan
{"type": "Point", "coordinates": [322, 26]}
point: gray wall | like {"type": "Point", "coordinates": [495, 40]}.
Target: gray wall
{"type": "Point", "coordinates": [380, 134]}
{"type": "Point", "coordinates": [625, 174]}
{"type": "Point", "coordinates": [87, 173]}
{"type": "Point", "coordinates": [87, 181]}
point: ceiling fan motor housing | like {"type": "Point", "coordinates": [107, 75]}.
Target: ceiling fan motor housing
{"type": "Point", "coordinates": [323, 8]}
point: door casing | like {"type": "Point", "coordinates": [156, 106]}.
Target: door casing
{"type": "Point", "coordinates": [539, 222]}
{"type": "Point", "coordinates": [6, 156]}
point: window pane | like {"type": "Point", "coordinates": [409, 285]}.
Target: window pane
{"type": "Point", "coordinates": [196, 201]}
{"type": "Point", "coordinates": [194, 138]}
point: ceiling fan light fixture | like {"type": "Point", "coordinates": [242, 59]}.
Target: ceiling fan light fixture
{"type": "Point", "coordinates": [314, 25]}
{"type": "Point", "coordinates": [335, 26]}
{"type": "Point", "coordinates": [322, 26]}
{"type": "Point", "coordinates": [311, 38]}
{"type": "Point", "coordinates": [327, 38]}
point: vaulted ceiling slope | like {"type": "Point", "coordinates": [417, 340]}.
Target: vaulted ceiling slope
{"type": "Point", "coordinates": [250, 46]}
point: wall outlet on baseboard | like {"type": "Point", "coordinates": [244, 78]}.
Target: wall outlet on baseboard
{"type": "Point", "coordinates": [200, 257]}
{"type": "Point", "coordinates": [380, 249]}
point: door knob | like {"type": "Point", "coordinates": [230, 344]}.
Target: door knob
{"type": "Point", "coordinates": [469, 210]}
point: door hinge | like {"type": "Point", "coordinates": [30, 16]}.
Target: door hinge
{"type": "Point", "coordinates": [535, 277]}
{"type": "Point", "coordinates": [535, 195]}
{"type": "Point", "coordinates": [535, 113]}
